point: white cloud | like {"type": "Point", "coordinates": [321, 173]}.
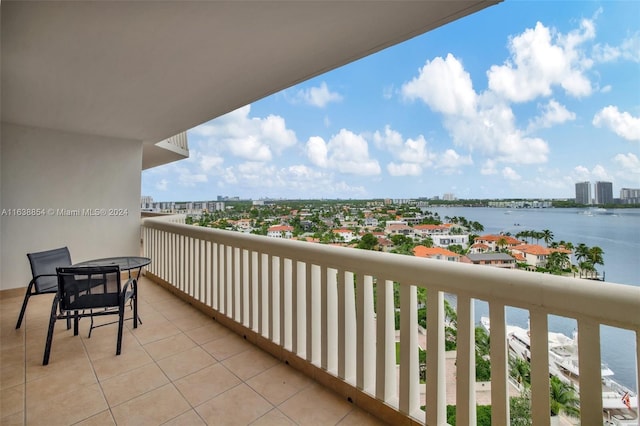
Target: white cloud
{"type": "Point", "coordinates": [444, 85]}
{"type": "Point", "coordinates": [318, 96]}
{"type": "Point", "coordinates": [489, 168]}
{"type": "Point", "coordinates": [162, 185]}
{"type": "Point", "coordinates": [628, 162]}
{"type": "Point", "coordinates": [249, 138]}
{"type": "Point", "coordinates": [404, 169]}
{"type": "Point", "coordinates": [407, 151]}
{"type": "Point", "coordinates": [510, 174]}
{"type": "Point", "coordinates": [542, 58]}
{"type": "Point", "coordinates": [345, 152]}
{"type": "Point", "coordinates": [451, 161]}
{"type": "Point", "coordinates": [317, 151]}
{"type": "Point", "coordinates": [628, 169]}
{"type": "Point", "coordinates": [483, 123]}
{"type": "Point", "coordinates": [552, 113]}
{"type": "Point", "coordinates": [581, 174]}
{"type": "Point", "coordinates": [621, 123]}
{"type": "Point", "coordinates": [628, 50]}
{"type": "Point", "coordinates": [600, 173]}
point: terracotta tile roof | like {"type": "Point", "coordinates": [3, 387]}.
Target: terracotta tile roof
{"type": "Point", "coordinates": [281, 228]}
{"type": "Point", "coordinates": [422, 251]}
{"type": "Point", "coordinates": [533, 249]}
{"type": "Point", "coordinates": [495, 238]}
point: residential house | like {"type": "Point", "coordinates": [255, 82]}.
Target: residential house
{"type": "Point", "coordinates": [534, 254]}
{"type": "Point", "coordinates": [346, 235]}
{"type": "Point", "coordinates": [499, 260]}
{"type": "Point", "coordinates": [280, 231]}
{"type": "Point", "coordinates": [492, 241]}
{"type": "Point", "coordinates": [436, 253]}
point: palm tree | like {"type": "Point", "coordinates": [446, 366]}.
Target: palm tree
{"type": "Point", "coordinates": [520, 370]}
{"type": "Point", "coordinates": [501, 243]}
{"type": "Point", "coordinates": [563, 398]}
{"type": "Point", "coordinates": [547, 236]}
{"type": "Point", "coordinates": [581, 252]}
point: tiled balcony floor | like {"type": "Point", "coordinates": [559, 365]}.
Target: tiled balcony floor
{"type": "Point", "coordinates": [178, 368]}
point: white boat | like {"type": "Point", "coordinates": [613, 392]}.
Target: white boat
{"type": "Point", "coordinates": [563, 363]}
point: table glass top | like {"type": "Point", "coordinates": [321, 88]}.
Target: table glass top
{"type": "Point", "coordinates": [124, 262]}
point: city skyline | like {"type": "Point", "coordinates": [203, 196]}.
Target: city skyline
{"type": "Point", "coordinates": [521, 100]}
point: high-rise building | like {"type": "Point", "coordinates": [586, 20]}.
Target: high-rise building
{"type": "Point", "coordinates": [583, 193]}
{"type": "Point", "coordinates": [630, 195]}
{"type": "Point", "coordinates": [603, 192]}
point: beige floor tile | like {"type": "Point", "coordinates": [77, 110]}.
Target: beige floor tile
{"type": "Point", "coordinates": [152, 408]}
{"type": "Point", "coordinates": [170, 346]}
{"type": "Point", "coordinates": [59, 380]}
{"type": "Point", "coordinates": [103, 418]}
{"type": "Point", "coordinates": [187, 362]}
{"type": "Point", "coordinates": [315, 406]}
{"type": "Point", "coordinates": [56, 410]}
{"type": "Point", "coordinates": [274, 417]}
{"type": "Point", "coordinates": [13, 420]}
{"type": "Point", "coordinates": [129, 359]}
{"type": "Point", "coordinates": [190, 418]}
{"type": "Point", "coordinates": [358, 417]}
{"type": "Point", "coordinates": [206, 333]}
{"type": "Point", "coordinates": [11, 401]}
{"type": "Point", "coordinates": [206, 384]}
{"type": "Point", "coordinates": [133, 383]}
{"type": "Point", "coordinates": [189, 322]}
{"type": "Point", "coordinates": [227, 346]}
{"type": "Point", "coordinates": [238, 406]}
{"type": "Point", "coordinates": [249, 363]}
{"type": "Point", "coordinates": [11, 374]}
{"type": "Point", "coordinates": [147, 333]}
{"type": "Point", "coordinates": [279, 383]}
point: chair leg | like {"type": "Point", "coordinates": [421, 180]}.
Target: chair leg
{"type": "Point", "coordinates": [76, 320]}
{"type": "Point", "coordinates": [135, 307]}
{"type": "Point", "coordinates": [120, 326]}
{"type": "Point", "coordinates": [24, 305]}
{"type": "Point", "coordinates": [52, 323]}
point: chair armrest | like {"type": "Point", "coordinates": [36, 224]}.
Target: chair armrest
{"type": "Point", "coordinates": [129, 289]}
{"type": "Point", "coordinates": [33, 280]}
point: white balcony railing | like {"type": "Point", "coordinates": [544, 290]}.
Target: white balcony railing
{"type": "Point", "coordinates": [316, 303]}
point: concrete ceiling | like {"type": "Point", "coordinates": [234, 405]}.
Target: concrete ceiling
{"type": "Point", "coordinates": [147, 70]}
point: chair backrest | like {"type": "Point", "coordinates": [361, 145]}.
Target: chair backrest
{"type": "Point", "coordinates": [87, 287]}
{"type": "Point", "coordinates": [45, 263]}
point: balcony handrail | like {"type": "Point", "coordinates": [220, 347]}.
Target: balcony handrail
{"type": "Point", "coordinates": [295, 295]}
{"type": "Point", "coordinates": [564, 296]}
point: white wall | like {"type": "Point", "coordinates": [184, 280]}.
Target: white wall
{"type": "Point", "coordinates": [51, 170]}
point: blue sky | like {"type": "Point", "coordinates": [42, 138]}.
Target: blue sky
{"type": "Point", "coordinates": [520, 100]}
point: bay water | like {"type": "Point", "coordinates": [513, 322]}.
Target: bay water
{"type": "Point", "coordinates": [615, 231]}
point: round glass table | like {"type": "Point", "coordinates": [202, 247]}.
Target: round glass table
{"type": "Point", "coordinates": [126, 263]}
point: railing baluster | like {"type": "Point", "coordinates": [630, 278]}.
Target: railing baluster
{"type": "Point", "coordinates": [280, 308]}
{"type": "Point", "coordinates": [286, 296]}
{"type": "Point", "coordinates": [539, 331]}
{"type": "Point", "coordinates": [350, 328]}
{"type": "Point", "coordinates": [409, 402]}
{"type": "Point", "coordinates": [386, 377]}
{"type": "Point", "coordinates": [466, 363]}
{"type": "Point", "coordinates": [324, 347]}
{"type": "Point", "coordinates": [308, 313]}
{"type": "Point", "coordinates": [332, 320]}
{"type": "Point", "coordinates": [365, 371]}
{"type": "Point", "coordinates": [499, 365]}
{"type": "Point", "coordinates": [295, 312]}
{"type": "Point", "coordinates": [436, 384]}
{"type": "Point", "coordinates": [590, 372]}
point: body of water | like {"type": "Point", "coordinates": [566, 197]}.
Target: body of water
{"type": "Point", "coordinates": [616, 231]}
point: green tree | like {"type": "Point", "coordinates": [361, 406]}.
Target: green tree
{"type": "Point", "coordinates": [368, 242]}
{"type": "Point", "coordinates": [564, 398]}
{"type": "Point", "coordinates": [547, 236]}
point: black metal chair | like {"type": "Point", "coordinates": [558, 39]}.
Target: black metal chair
{"type": "Point", "coordinates": [90, 292]}
{"type": "Point", "coordinates": [43, 270]}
